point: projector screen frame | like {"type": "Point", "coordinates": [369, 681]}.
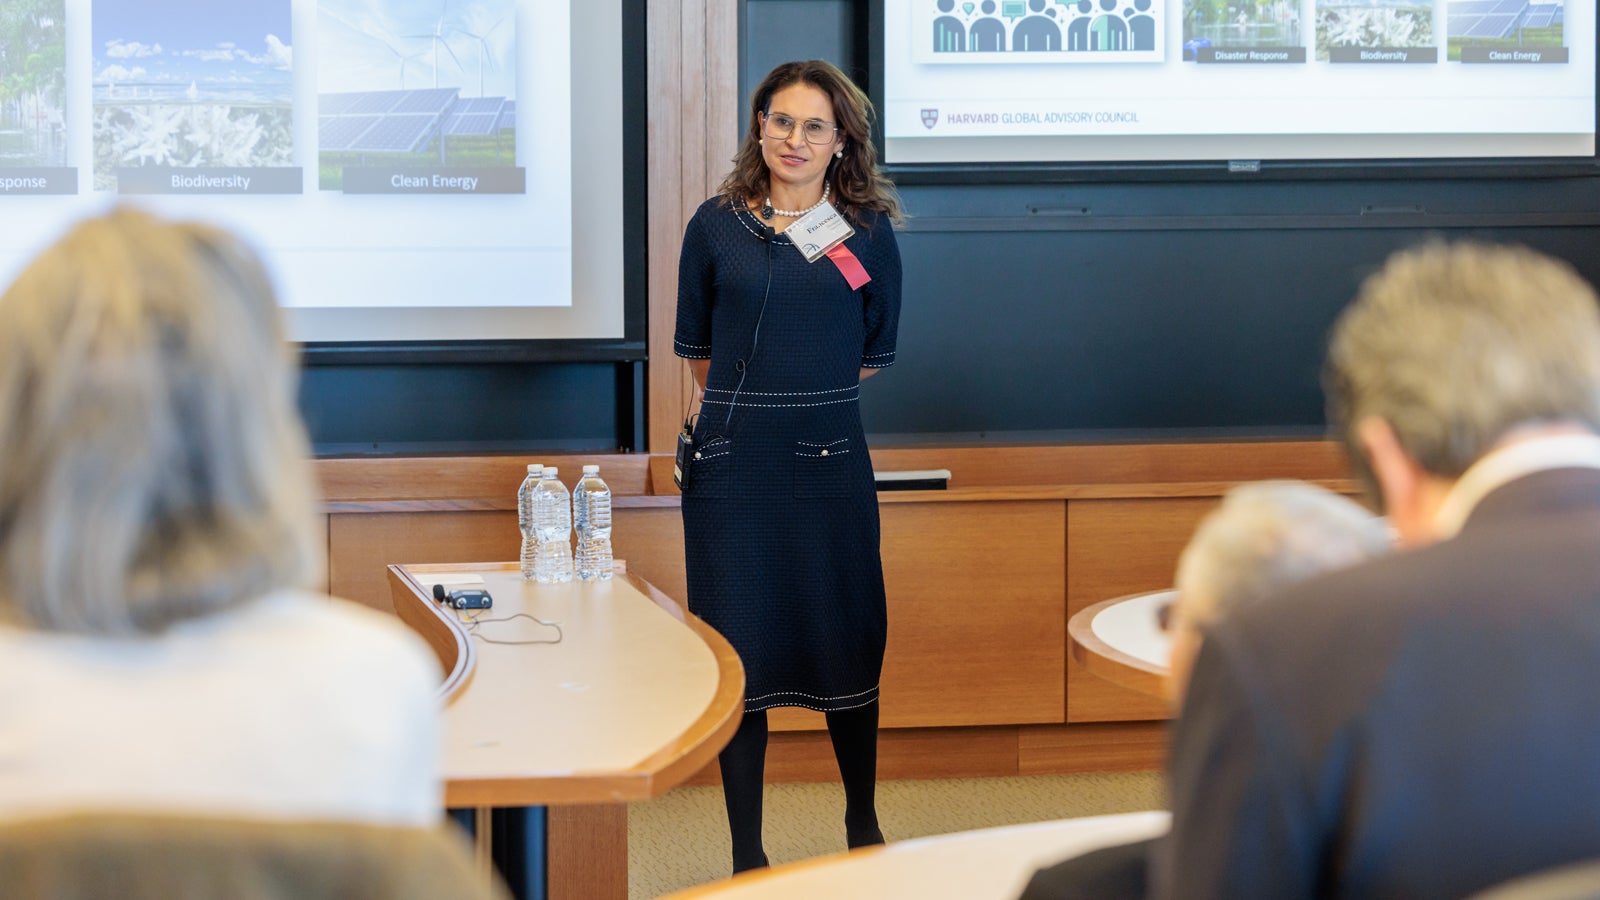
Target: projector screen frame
{"type": "Point", "coordinates": [633, 345]}
{"type": "Point", "coordinates": [1187, 171]}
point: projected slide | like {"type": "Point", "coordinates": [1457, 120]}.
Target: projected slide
{"type": "Point", "coordinates": [1035, 31]}
{"type": "Point", "coordinates": [417, 96]}
{"type": "Point", "coordinates": [33, 80]}
{"type": "Point", "coordinates": [1239, 81]}
{"type": "Point", "coordinates": [372, 148]}
{"type": "Point", "coordinates": [1376, 31]}
{"type": "Point", "coordinates": [1242, 31]}
{"type": "Point", "coordinates": [1514, 32]}
{"type": "Point", "coordinates": [193, 97]}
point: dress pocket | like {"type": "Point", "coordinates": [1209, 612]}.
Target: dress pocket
{"type": "Point", "coordinates": [711, 469]}
{"type": "Point", "coordinates": [824, 469]}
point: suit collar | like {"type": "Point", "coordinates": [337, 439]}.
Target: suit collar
{"type": "Point", "coordinates": [1516, 462]}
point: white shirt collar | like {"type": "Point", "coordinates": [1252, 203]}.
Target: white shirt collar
{"type": "Point", "coordinates": [1500, 467]}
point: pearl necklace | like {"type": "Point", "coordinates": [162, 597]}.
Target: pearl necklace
{"type": "Point", "coordinates": [767, 212]}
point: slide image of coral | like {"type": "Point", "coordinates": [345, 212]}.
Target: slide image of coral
{"type": "Point", "coordinates": [417, 85]}
{"type": "Point", "coordinates": [1505, 27]}
{"type": "Point", "coordinates": [1373, 25]}
{"type": "Point", "coordinates": [1239, 24]}
{"type": "Point", "coordinates": [192, 84]}
{"type": "Point", "coordinates": [33, 82]}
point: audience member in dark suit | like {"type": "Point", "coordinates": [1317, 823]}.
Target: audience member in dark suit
{"type": "Point", "coordinates": [1263, 536]}
{"type": "Point", "coordinates": [1422, 725]}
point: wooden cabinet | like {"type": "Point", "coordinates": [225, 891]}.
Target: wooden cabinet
{"type": "Point", "coordinates": [981, 579]}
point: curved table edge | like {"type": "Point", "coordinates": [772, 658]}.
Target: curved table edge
{"type": "Point", "coordinates": [1107, 662]}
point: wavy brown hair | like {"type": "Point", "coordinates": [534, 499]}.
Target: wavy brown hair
{"type": "Point", "coordinates": [857, 183]}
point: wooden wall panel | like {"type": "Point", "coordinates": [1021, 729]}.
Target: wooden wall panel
{"type": "Point", "coordinates": [1091, 747]}
{"type": "Point", "coordinates": [977, 634]}
{"type": "Point", "coordinates": [693, 129]}
{"type": "Point", "coordinates": [488, 482]}
{"type": "Point", "coordinates": [1149, 463]}
{"type": "Point", "coordinates": [1117, 547]}
{"type": "Point", "coordinates": [366, 544]}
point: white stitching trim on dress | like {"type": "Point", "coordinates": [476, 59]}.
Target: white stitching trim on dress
{"type": "Point", "coordinates": [812, 708]}
{"type": "Point", "coordinates": [782, 243]}
{"type": "Point", "coordinates": [691, 346]}
{"type": "Point", "coordinates": [782, 405]}
{"type": "Point", "coordinates": [703, 458]}
{"type": "Point", "coordinates": [853, 387]}
{"type": "Point", "coordinates": [876, 355]}
{"type": "Point", "coordinates": [824, 454]}
{"type": "Point", "coordinates": [814, 696]}
{"type": "Point", "coordinates": [809, 444]}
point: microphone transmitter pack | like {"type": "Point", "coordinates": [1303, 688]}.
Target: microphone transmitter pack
{"type": "Point", "coordinates": [465, 598]}
{"type": "Point", "coordinates": [685, 455]}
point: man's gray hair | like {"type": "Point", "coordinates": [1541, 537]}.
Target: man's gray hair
{"type": "Point", "coordinates": [1456, 345]}
{"type": "Point", "coordinates": [155, 467]}
{"type": "Point", "coordinates": [1269, 534]}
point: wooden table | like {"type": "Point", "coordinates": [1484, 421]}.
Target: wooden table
{"type": "Point", "coordinates": [991, 864]}
{"type": "Point", "coordinates": [1121, 641]}
{"type": "Point", "coordinates": [637, 696]}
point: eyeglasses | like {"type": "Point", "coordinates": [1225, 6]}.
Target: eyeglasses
{"type": "Point", "coordinates": [779, 126]}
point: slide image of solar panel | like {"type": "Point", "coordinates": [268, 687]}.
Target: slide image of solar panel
{"type": "Point", "coordinates": [1494, 26]}
{"type": "Point", "coordinates": [396, 134]}
{"type": "Point", "coordinates": [472, 125]}
{"type": "Point", "coordinates": [423, 85]}
{"type": "Point", "coordinates": [479, 116]}
{"type": "Point", "coordinates": [340, 132]}
{"type": "Point", "coordinates": [508, 115]}
{"type": "Point", "coordinates": [1502, 24]}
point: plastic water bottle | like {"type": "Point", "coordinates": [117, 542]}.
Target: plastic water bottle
{"type": "Point", "coordinates": [530, 540]}
{"type": "Point", "coordinates": [552, 523]}
{"type": "Point", "coordinates": [591, 515]}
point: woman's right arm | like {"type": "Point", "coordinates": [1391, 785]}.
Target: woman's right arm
{"type": "Point", "coordinates": [696, 290]}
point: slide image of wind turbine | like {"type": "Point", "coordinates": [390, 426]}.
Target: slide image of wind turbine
{"type": "Point", "coordinates": [403, 58]}
{"type": "Point", "coordinates": [437, 36]}
{"type": "Point", "coordinates": [483, 49]}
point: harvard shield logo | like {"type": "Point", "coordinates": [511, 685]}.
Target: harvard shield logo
{"type": "Point", "coordinates": [930, 118]}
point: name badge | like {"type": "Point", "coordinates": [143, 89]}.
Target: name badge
{"type": "Point", "coordinates": [818, 231]}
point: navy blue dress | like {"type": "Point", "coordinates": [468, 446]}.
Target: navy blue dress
{"type": "Point", "coordinates": [780, 516]}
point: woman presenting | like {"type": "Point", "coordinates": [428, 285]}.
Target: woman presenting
{"type": "Point", "coordinates": [779, 510]}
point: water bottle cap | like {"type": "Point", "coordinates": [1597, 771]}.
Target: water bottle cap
{"type": "Point", "coordinates": [535, 469]}
{"type": "Point", "coordinates": [591, 470]}
{"type": "Point", "coordinates": [551, 471]}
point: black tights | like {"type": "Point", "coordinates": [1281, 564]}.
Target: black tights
{"type": "Point", "coordinates": [854, 733]}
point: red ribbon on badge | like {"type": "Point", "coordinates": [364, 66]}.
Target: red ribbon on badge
{"type": "Point", "coordinates": [849, 266]}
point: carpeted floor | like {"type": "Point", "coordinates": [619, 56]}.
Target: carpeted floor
{"type": "Point", "coordinates": [681, 839]}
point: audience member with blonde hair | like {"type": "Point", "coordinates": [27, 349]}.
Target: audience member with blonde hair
{"type": "Point", "coordinates": [165, 649]}
{"type": "Point", "coordinates": [1421, 725]}
{"type": "Point", "coordinates": [1264, 537]}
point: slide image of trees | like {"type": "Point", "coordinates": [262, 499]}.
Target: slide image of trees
{"type": "Point", "coordinates": [1373, 23]}
{"type": "Point", "coordinates": [458, 58]}
{"type": "Point", "coordinates": [1503, 24]}
{"type": "Point", "coordinates": [191, 83]}
{"type": "Point", "coordinates": [1240, 24]}
{"type": "Point", "coordinates": [33, 81]}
